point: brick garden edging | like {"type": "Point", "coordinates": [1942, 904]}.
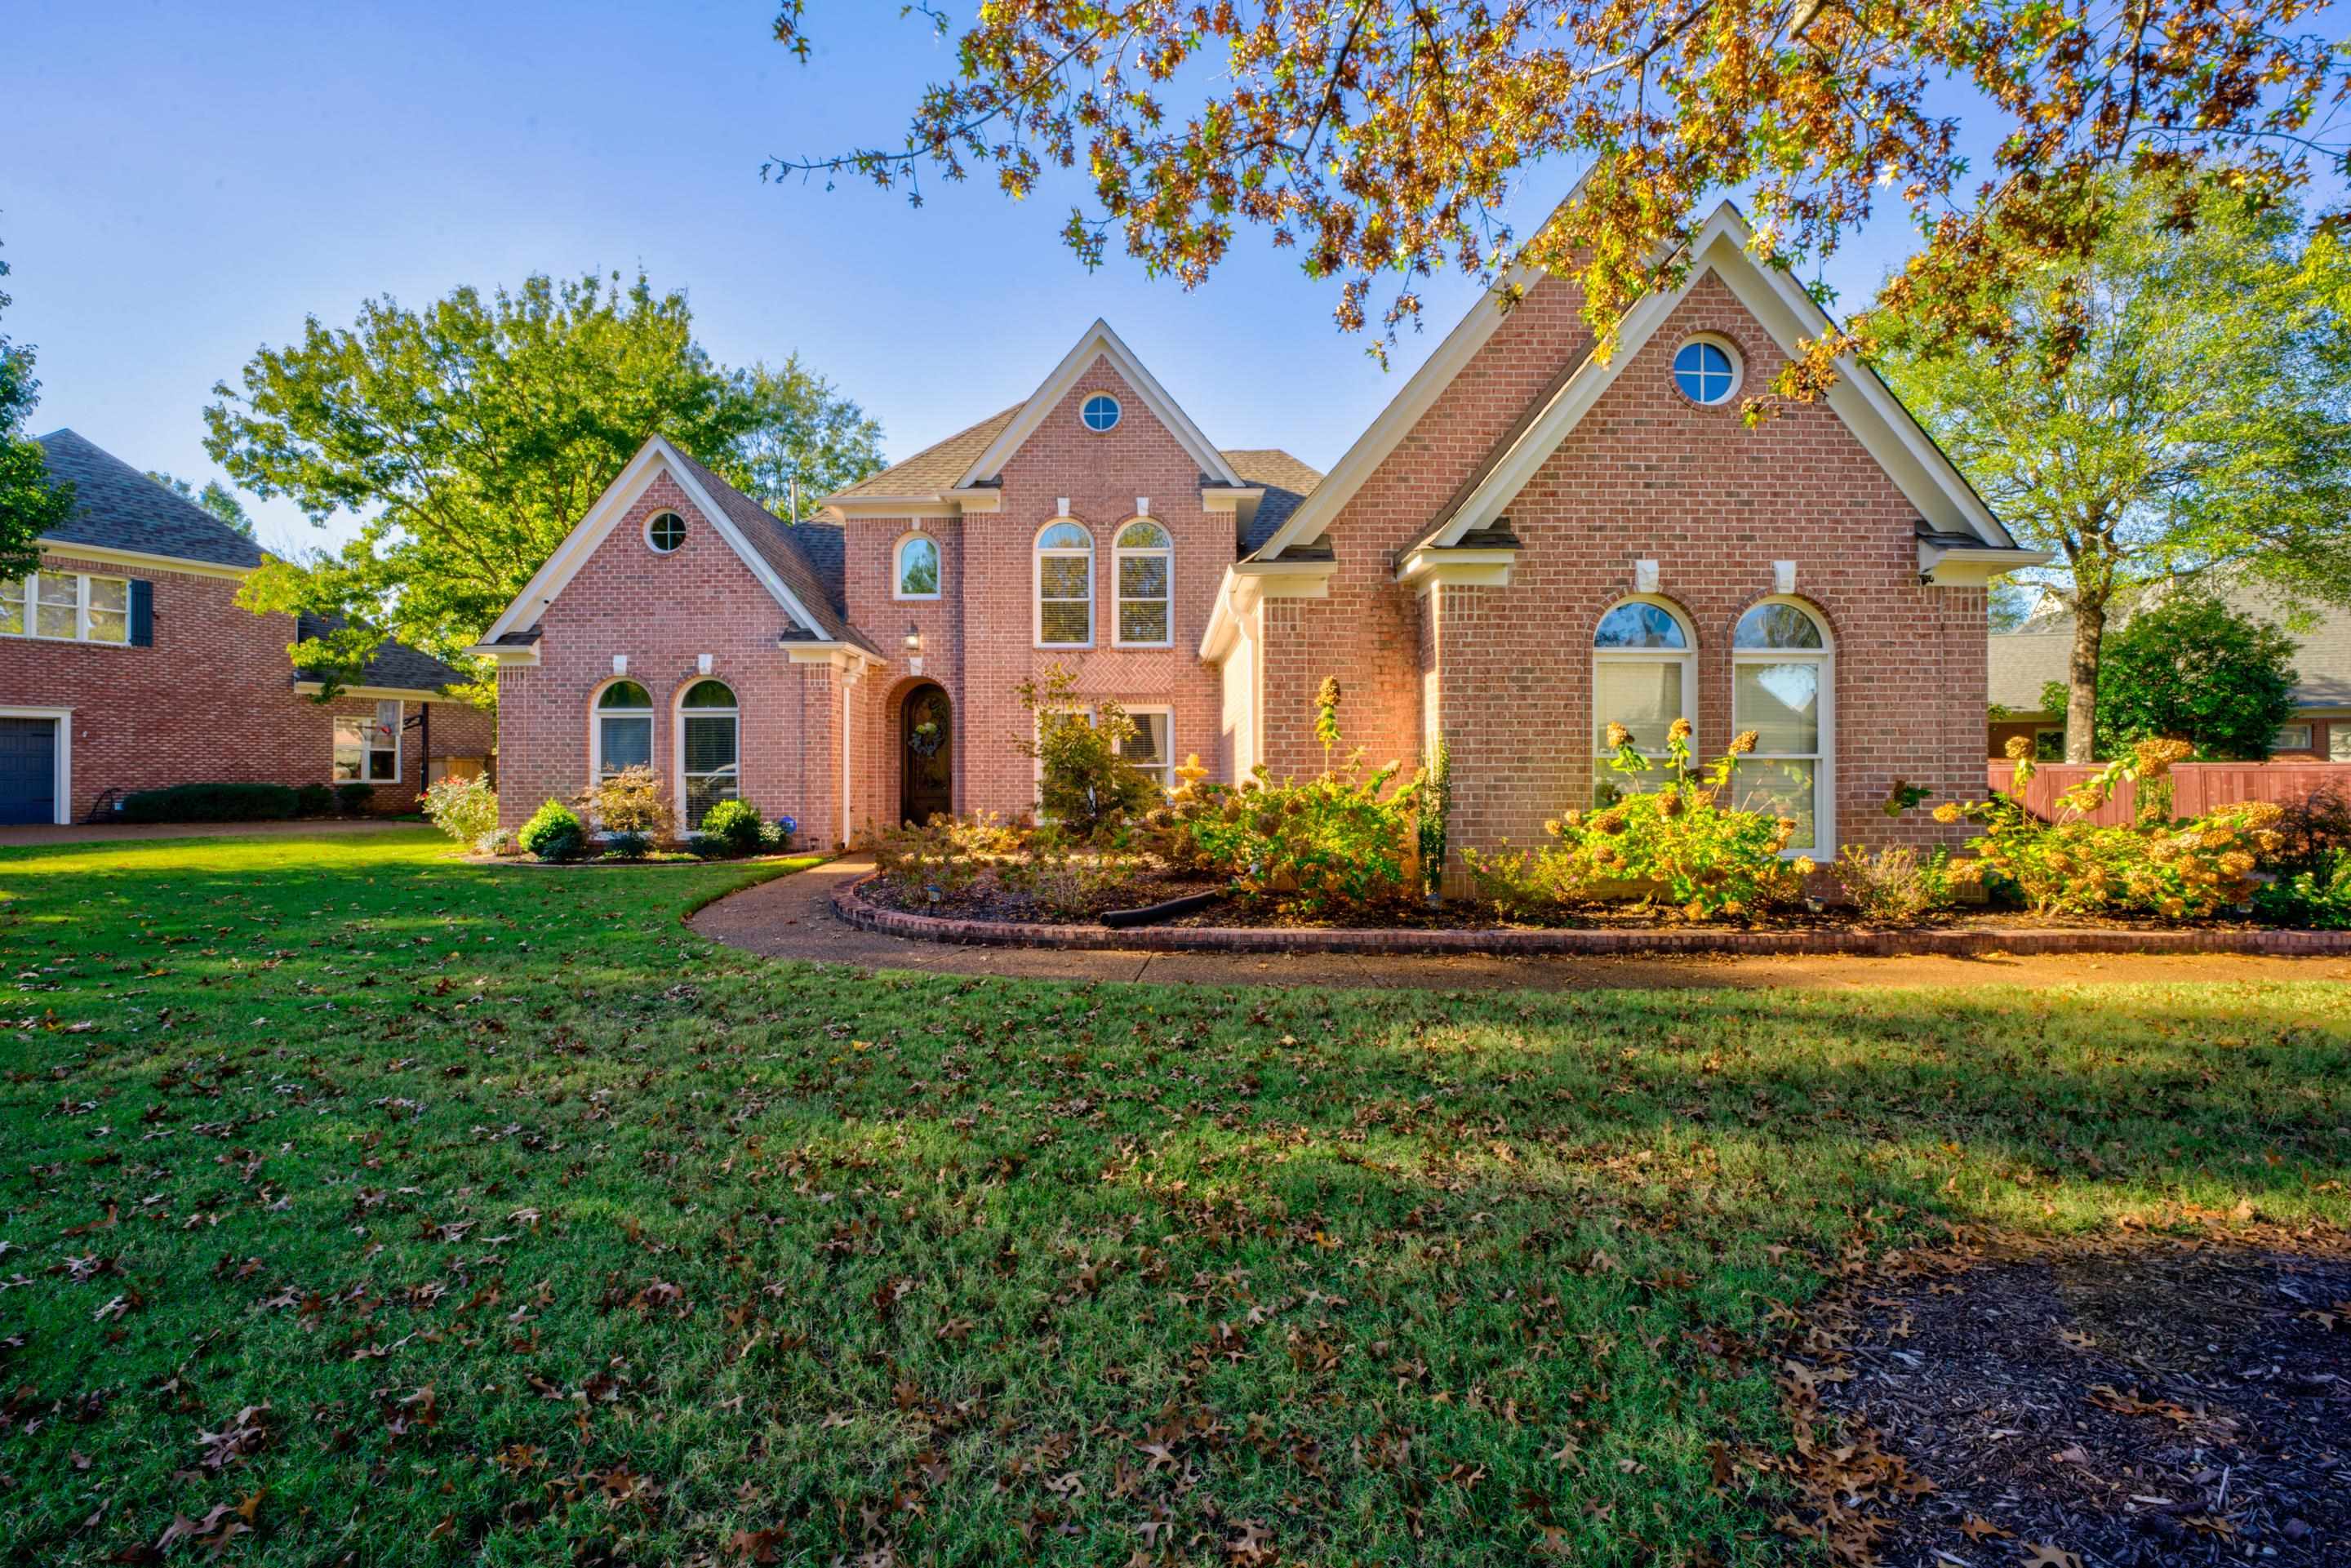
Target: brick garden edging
{"type": "Point", "coordinates": [852, 909]}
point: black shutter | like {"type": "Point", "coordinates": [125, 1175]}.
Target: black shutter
{"type": "Point", "coordinates": [142, 613]}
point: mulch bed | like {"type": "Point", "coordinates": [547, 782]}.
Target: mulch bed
{"type": "Point", "coordinates": [2133, 1402]}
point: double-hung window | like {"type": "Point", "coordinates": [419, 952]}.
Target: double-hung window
{"type": "Point", "coordinates": [1642, 678]}
{"type": "Point", "coordinates": [67, 606]}
{"type": "Point", "coordinates": [624, 728]}
{"type": "Point", "coordinates": [708, 741]}
{"type": "Point", "coordinates": [1065, 585]}
{"type": "Point", "coordinates": [367, 746]}
{"type": "Point", "coordinates": [1149, 750]}
{"type": "Point", "coordinates": [1144, 557]}
{"type": "Point", "coordinates": [1781, 687]}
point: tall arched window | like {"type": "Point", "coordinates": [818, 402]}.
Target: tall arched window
{"type": "Point", "coordinates": [624, 728]}
{"type": "Point", "coordinates": [1783, 687]}
{"type": "Point", "coordinates": [1642, 679]}
{"type": "Point", "coordinates": [708, 747]}
{"type": "Point", "coordinates": [1065, 585]}
{"type": "Point", "coordinates": [917, 570]}
{"type": "Point", "coordinates": [1145, 562]}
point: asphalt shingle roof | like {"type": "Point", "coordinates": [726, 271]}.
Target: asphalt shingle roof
{"type": "Point", "coordinates": [2021, 662]}
{"type": "Point", "coordinates": [1286, 482]}
{"type": "Point", "coordinates": [394, 665]}
{"type": "Point", "coordinates": [790, 552]}
{"type": "Point", "coordinates": [116, 506]}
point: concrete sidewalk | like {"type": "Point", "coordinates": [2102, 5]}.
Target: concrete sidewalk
{"type": "Point", "coordinates": [791, 917]}
{"type": "Point", "coordinates": [113, 832]}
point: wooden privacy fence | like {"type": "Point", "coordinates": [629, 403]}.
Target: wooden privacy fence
{"type": "Point", "coordinates": [2197, 787]}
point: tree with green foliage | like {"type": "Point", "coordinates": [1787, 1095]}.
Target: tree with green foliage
{"type": "Point", "coordinates": [31, 505]}
{"type": "Point", "coordinates": [805, 442]}
{"type": "Point", "coordinates": [470, 436]}
{"type": "Point", "coordinates": [2176, 405]}
{"type": "Point", "coordinates": [2191, 668]}
{"type": "Point", "coordinates": [215, 497]}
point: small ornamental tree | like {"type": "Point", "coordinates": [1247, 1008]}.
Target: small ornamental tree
{"type": "Point", "coordinates": [2194, 669]}
{"type": "Point", "coordinates": [1082, 782]}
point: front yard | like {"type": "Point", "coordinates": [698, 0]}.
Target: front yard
{"type": "Point", "coordinates": [359, 1205]}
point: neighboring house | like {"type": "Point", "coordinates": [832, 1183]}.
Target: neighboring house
{"type": "Point", "coordinates": [2025, 661]}
{"type": "Point", "coordinates": [126, 664]}
{"type": "Point", "coordinates": [1526, 526]}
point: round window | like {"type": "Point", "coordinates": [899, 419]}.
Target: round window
{"type": "Point", "coordinates": [1100, 411]}
{"type": "Point", "coordinates": [666, 532]}
{"type": "Point", "coordinates": [1705, 372]}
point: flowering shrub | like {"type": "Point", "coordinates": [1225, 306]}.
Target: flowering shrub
{"type": "Point", "coordinates": [1070, 876]}
{"type": "Point", "coordinates": [1339, 841]}
{"type": "Point", "coordinates": [1710, 860]}
{"type": "Point", "coordinates": [1894, 886]}
{"type": "Point", "coordinates": [629, 808]}
{"type": "Point", "coordinates": [943, 857]}
{"type": "Point", "coordinates": [465, 808]}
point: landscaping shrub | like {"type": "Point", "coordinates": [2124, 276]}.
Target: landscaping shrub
{"type": "Point", "coordinates": [631, 811]}
{"type": "Point", "coordinates": [2318, 899]}
{"type": "Point", "coordinates": [465, 808]}
{"type": "Point", "coordinates": [553, 834]}
{"type": "Point", "coordinates": [1436, 808]}
{"type": "Point", "coordinates": [935, 860]}
{"type": "Point", "coordinates": [1894, 887]}
{"type": "Point", "coordinates": [2316, 829]}
{"type": "Point", "coordinates": [314, 801]}
{"type": "Point", "coordinates": [1082, 782]}
{"type": "Point", "coordinates": [354, 799]}
{"type": "Point", "coordinates": [2176, 870]}
{"type": "Point", "coordinates": [732, 827]}
{"type": "Point", "coordinates": [1071, 876]}
{"type": "Point", "coordinates": [211, 803]}
{"type": "Point", "coordinates": [1677, 838]}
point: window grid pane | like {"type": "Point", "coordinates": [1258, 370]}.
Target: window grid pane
{"type": "Point", "coordinates": [57, 611]}
{"type": "Point", "coordinates": [1064, 621]}
{"type": "Point", "coordinates": [1065, 576]}
{"type": "Point", "coordinates": [918, 568]}
{"type": "Point", "coordinates": [709, 744]}
{"type": "Point", "coordinates": [1780, 702]}
{"type": "Point", "coordinates": [627, 741]}
{"type": "Point", "coordinates": [12, 607]}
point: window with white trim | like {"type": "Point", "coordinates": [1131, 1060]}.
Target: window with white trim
{"type": "Point", "coordinates": [1144, 560]}
{"type": "Point", "coordinates": [1643, 677]}
{"type": "Point", "coordinates": [1151, 750]}
{"type": "Point", "coordinates": [367, 746]}
{"type": "Point", "coordinates": [665, 531]}
{"type": "Point", "coordinates": [708, 752]}
{"type": "Point", "coordinates": [1781, 687]}
{"type": "Point", "coordinates": [1099, 414]}
{"type": "Point", "coordinates": [917, 571]}
{"type": "Point", "coordinates": [2291, 738]}
{"type": "Point", "coordinates": [1065, 585]}
{"type": "Point", "coordinates": [68, 607]}
{"type": "Point", "coordinates": [624, 728]}
{"type": "Point", "coordinates": [1706, 370]}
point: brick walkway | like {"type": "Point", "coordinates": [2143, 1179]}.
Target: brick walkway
{"type": "Point", "coordinates": [791, 917]}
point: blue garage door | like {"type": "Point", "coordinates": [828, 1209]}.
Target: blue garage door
{"type": "Point", "coordinates": [28, 770]}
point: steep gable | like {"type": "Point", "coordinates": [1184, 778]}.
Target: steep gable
{"type": "Point", "coordinates": [1100, 342]}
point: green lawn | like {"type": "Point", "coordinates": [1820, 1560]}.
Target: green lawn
{"type": "Point", "coordinates": [543, 1231]}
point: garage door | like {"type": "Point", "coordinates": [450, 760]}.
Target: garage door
{"type": "Point", "coordinates": [28, 770]}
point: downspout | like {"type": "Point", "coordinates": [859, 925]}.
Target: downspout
{"type": "Point", "coordinates": [849, 673]}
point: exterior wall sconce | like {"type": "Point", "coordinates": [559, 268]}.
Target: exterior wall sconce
{"type": "Point", "coordinates": [913, 639]}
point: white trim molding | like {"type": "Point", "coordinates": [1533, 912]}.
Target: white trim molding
{"type": "Point", "coordinates": [1248, 583]}
{"type": "Point", "coordinates": [61, 769]}
{"type": "Point", "coordinates": [1429, 567]}
{"type": "Point", "coordinates": [1038, 552]}
{"type": "Point", "coordinates": [1098, 341]}
{"type": "Point", "coordinates": [898, 569]}
{"type": "Point", "coordinates": [113, 557]}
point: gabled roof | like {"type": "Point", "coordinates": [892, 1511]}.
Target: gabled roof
{"type": "Point", "coordinates": [1287, 483]}
{"type": "Point", "coordinates": [1947, 503]}
{"type": "Point", "coordinates": [1097, 341]}
{"type": "Point", "coordinates": [395, 666]}
{"type": "Point", "coordinates": [117, 507]}
{"type": "Point", "coordinates": [776, 551]}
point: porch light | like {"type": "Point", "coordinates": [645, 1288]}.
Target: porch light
{"type": "Point", "coordinates": [913, 639]}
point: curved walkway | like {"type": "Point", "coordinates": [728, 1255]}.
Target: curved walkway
{"type": "Point", "coordinates": [791, 917]}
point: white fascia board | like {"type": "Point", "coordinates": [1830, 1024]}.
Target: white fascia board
{"type": "Point", "coordinates": [846, 655]}
{"type": "Point", "coordinates": [1248, 583]}
{"type": "Point", "coordinates": [934, 503]}
{"type": "Point", "coordinates": [1869, 409]}
{"type": "Point", "coordinates": [1404, 412]}
{"type": "Point", "coordinates": [405, 694]}
{"type": "Point", "coordinates": [1969, 567]}
{"type": "Point", "coordinates": [1098, 340]}
{"type": "Point", "coordinates": [112, 557]}
{"type": "Point", "coordinates": [1229, 498]}
{"type": "Point", "coordinates": [507, 653]}
{"type": "Point", "coordinates": [1426, 566]}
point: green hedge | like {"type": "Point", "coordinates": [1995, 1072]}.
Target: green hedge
{"type": "Point", "coordinates": [211, 803]}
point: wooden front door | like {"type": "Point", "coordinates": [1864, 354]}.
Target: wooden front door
{"type": "Point", "coordinates": [927, 759]}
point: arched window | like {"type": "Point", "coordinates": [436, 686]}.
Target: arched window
{"type": "Point", "coordinates": [1145, 560]}
{"type": "Point", "coordinates": [708, 748]}
{"type": "Point", "coordinates": [1642, 679]}
{"type": "Point", "coordinates": [917, 570]}
{"type": "Point", "coordinates": [1782, 688]}
{"type": "Point", "coordinates": [624, 728]}
{"type": "Point", "coordinates": [1065, 585]}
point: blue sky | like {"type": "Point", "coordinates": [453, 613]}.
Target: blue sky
{"type": "Point", "coordinates": [187, 183]}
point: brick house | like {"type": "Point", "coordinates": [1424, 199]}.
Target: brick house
{"type": "Point", "coordinates": [1528, 543]}
{"type": "Point", "coordinates": [125, 664]}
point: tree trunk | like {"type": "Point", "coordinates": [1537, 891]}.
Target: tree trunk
{"type": "Point", "coordinates": [2082, 679]}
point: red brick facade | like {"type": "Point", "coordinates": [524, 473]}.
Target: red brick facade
{"type": "Point", "coordinates": [211, 700]}
{"type": "Point", "coordinates": [1504, 670]}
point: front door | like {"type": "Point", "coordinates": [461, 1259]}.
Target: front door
{"type": "Point", "coordinates": [28, 770]}
{"type": "Point", "coordinates": [926, 765]}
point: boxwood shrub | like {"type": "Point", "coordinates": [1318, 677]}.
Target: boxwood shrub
{"type": "Point", "coordinates": [553, 834]}
{"type": "Point", "coordinates": [211, 803]}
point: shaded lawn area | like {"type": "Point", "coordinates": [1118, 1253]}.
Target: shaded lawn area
{"type": "Point", "coordinates": [477, 1215]}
